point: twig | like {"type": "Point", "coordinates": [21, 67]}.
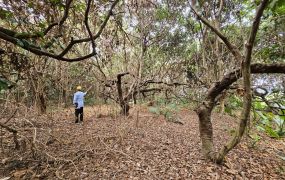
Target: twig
{"type": "Point", "coordinates": [11, 116]}
{"type": "Point", "coordinates": [110, 149]}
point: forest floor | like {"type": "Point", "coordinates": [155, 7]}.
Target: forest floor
{"type": "Point", "coordinates": [141, 146]}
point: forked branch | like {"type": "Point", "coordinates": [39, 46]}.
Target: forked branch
{"type": "Point", "coordinates": [11, 36]}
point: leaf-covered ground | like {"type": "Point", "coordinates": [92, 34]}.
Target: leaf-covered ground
{"type": "Point", "coordinates": [141, 146]}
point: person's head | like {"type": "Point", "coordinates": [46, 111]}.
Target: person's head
{"type": "Point", "coordinates": [78, 88]}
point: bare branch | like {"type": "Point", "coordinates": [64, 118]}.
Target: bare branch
{"type": "Point", "coordinates": [233, 49]}
{"type": "Point", "coordinates": [87, 25]}
{"type": "Point", "coordinates": [233, 76]}
{"type": "Point", "coordinates": [73, 42]}
{"type": "Point", "coordinates": [25, 35]}
{"type": "Point", "coordinates": [245, 114]}
{"type": "Point", "coordinates": [66, 10]}
{"type": "Point", "coordinates": [9, 36]}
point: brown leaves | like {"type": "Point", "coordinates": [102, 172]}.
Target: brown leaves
{"type": "Point", "coordinates": [114, 147]}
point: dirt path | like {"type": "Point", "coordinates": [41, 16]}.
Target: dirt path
{"type": "Point", "coordinates": [149, 147]}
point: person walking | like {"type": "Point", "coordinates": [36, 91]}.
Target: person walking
{"type": "Point", "coordinates": [78, 101]}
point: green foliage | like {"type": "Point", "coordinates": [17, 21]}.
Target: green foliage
{"type": "Point", "coordinates": [168, 110]}
{"type": "Point", "coordinates": [3, 84]}
{"type": "Point", "coordinates": [271, 29]}
{"type": "Point", "coordinates": [280, 122]}
{"type": "Point", "coordinates": [234, 103]}
{"type": "Point", "coordinates": [79, 6]}
{"type": "Point", "coordinates": [271, 114]}
{"type": "Point", "coordinates": [228, 110]}
{"type": "Point", "coordinates": [272, 124]}
{"type": "Point", "coordinates": [162, 13]}
{"type": "Point", "coordinates": [277, 6]}
{"type": "Point", "coordinates": [259, 105]}
{"type": "Point", "coordinates": [20, 43]}
{"type": "Point", "coordinates": [92, 100]}
{"type": "Point", "coordinates": [154, 110]}
{"type": "Point", "coordinates": [57, 3]}
{"type": "Point", "coordinates": [4, 14]}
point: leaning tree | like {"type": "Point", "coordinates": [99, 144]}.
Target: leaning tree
{"type": "Point", "coordinates": [204, 110]}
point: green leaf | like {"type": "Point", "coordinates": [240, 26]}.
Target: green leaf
{"type": "Point", "coordinates": [162, 13]}
{"type": "Point", "coordinates": [259, 105]}
{"type": "Point", "coordinates": [55, 2]}
{"type": "Point", "coordinates": [278, 120]}
{"type": "Point", "coordinates": [271, 132]}
{"type": "Point", "coordinates": [20, 43]}
{"type": "Point", "coordinates": [3, 84]}
{"type": "Point", "coordinates": [42, 25]}
{"type": "Point", "coordinates": [41, 34]}
{"type": "Point", "coordinates": [4, 14]}
{"type": "Point", "coordinates": [228, 110]}
{"type": "Point", "coordinates": [261, 115]}
{"type": "Point", "coordinates": [255, 137]}
{"type": "Point", "coordinates": [154, 110]}
{"type": "Point", "coordinates": [260, 128]}
{"type": "Point", "coordinates": [273, 3]}
{"type": "Point", "coordinates": [30, 4]}
{"type": "Point", "coordinates": [277, 7]}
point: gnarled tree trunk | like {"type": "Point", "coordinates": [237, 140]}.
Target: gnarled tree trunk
{"type": "Point", "coordinates": [205, 109]}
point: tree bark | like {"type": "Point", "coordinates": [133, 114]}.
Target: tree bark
{"type": "Point", "coordinates": [205, 109]}
{"type": "Point", "coordinates": [245, 116]}
{"type": "Point", "coordinates": [122, 101]}
{"type": "Point", "coordinates": [42, 103]}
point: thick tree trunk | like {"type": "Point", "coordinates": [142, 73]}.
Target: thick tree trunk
{"type": "Point", "coordinates": [206, 129]}
{"type": "Point", "coordinates": [205, 109]}
{"type": "Point", "coordinates": [229, 79]}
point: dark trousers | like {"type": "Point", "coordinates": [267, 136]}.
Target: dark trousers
{"type": "Point", "coordinates": [78, 114]}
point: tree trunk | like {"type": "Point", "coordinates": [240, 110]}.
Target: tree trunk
{"type": "Point", "coordinates": [227, 80]}
{"type": "Point", "coordinates": [125, 109]}
{"type": "Point", "coordinates": [122, 101]}
{"type": "Point", "coordinates": [42, 103]}
{"type": "Point", "coordinates": [222, 102]}
{"type": "Point", "coordinates": [205, 109]}
{"type": "Point", "coordinates": [206, 129]}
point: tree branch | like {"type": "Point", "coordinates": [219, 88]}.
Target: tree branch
{"type": "Point", "coordinates": [25, 35]}
{"type": "Point", "coordinates": [87, 25]}
{"type": "Point", "coordinates": [233, 76]}
{"type": "Point", "coordinates": [233, 49]}
{"type": "Point", "coordinates": [66, 11]}
{"type": "Point", "coordinates": [245, 114]}
{"type": "Point", "coordinates": [10, 36]}
{"type": "Point", "coordinates": [73, 42]}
